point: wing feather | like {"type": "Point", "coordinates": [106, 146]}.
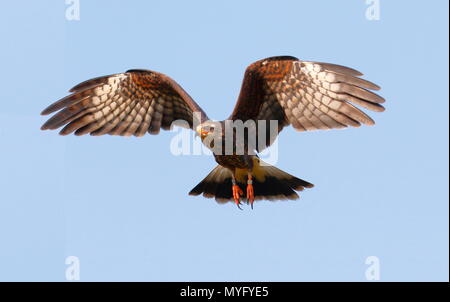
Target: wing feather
{"type": "Point", "coordinates": [308, 95]}
{"type": "Point", "coordinates": [130, 103]}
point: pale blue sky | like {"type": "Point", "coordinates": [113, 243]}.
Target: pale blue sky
{"type": "Point", "coordinates": [121, 204]}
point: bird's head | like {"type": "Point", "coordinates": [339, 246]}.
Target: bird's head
{"type": "Point", "coordinates": [207, 128]}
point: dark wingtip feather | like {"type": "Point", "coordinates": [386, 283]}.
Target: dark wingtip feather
{"type": "Point", "coordinates": [281, 58]}
{"type": "Point", "coordinates": [47, 110]}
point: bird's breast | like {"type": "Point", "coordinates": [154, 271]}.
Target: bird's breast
{"type": "Point", "coordinates": [232, 161]}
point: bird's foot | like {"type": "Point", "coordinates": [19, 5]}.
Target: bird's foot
{"type": "Point", "coordinates": [250, 194]}
{"type": "Point", "coordinates": [237, 192]}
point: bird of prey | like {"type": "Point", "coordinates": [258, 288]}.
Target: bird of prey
{"type": "Point", "coordinates": [307, 95]}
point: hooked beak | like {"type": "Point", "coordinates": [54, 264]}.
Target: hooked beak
{"type": "Point", "coordinates": [202, 133]}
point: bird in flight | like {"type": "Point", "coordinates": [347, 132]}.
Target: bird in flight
{"type": "Point", "coordinates": [307, 95]}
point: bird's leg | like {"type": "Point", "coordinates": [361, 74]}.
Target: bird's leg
{"type": "Point", "coordinates": [237, 192]}
{"type": "Point", "coordinates": [250, 191]}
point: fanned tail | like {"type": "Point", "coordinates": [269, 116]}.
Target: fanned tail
{"type": "Point", "coordinates": [269, 183]}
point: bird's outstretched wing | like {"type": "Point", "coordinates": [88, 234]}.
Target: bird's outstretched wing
{"type": "Point", "coordinates": [130, 103]}
{"type": "Point", "coordinates": [308, 95]}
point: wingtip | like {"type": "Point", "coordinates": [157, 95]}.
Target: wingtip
{"type": "Point", "coordinates": [64, 132]}
{"type": "Point", "coordinates": [370, 123]}
{"type": "Point", "coordinates": [45, 111]}
{"type": "Point", "coordinates": [354, 71]}
{"type": "Point", "coordinates": [381, 108]}
{"type": "Point", "coordinates": [371, 85]}
{"type": "Point", "coordinates": [376, 87]}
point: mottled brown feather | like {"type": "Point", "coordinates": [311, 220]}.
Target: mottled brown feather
{"type": "Point", "coordinates": [130, 103]}
{"type": "Point", "coordinates": [308, 95]}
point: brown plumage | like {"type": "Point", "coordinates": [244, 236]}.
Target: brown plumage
{"type": "Point", "coordinates": [306, 95]}
{"type": "Point", "coordinates": [130, 103]}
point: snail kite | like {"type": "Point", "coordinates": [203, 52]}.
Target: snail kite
{"type": "Point", "coordinates": [306, 95]}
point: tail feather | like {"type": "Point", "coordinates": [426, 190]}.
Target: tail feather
{"type": "Point", "coordinates": [273, 189]}
{"type": "Point", "coordinates": [271, 184]}
{"type": "Point", "coordinates": [214, 183]}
